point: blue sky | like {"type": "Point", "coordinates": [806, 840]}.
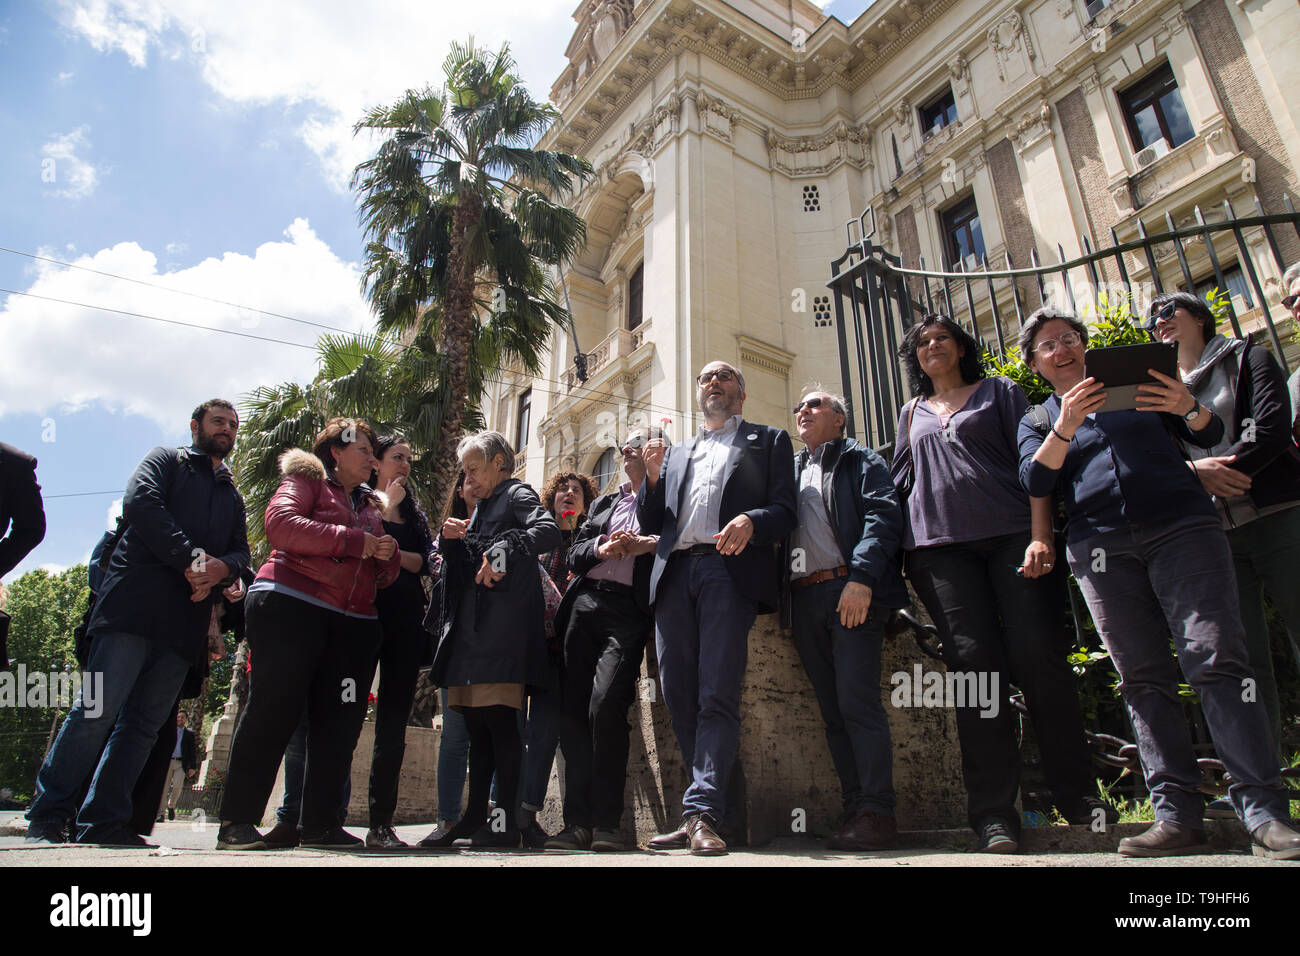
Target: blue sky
{"type": "Point", "coordinates": [202, 147]}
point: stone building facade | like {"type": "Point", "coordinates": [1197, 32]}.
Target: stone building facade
{"type": "Point", "coordinates": [735, 142]}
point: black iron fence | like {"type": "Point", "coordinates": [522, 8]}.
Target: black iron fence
{"type": "Point", "coordinates": [878, 295]}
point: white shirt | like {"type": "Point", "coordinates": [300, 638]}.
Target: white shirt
{"type": "Point", "coordinates": [699, 520]}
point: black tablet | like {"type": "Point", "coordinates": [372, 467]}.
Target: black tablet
{"type": "Point", "coordinates": [1122, 368]}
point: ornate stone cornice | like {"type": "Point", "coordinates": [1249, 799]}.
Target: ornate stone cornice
{"type": "Point", "coordinates": [817, 155]}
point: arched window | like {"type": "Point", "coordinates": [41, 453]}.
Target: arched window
{"type": "Point", "coordinates": [605, 468]}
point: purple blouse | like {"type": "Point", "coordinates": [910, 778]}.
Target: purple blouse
{"type": "Point", "coordinates": [966, 485]}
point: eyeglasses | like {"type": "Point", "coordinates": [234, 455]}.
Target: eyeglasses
{"type": "Point", "coordinates": [721, 374]}
{"type": "Point", "coordinates": [815, 402]}
{"type": "Point", "coordinates": [1067, 340]}
{"type": "Point", "coordinates": [1164, 315]}
{"type": "Point", "coordinates": [1288, 302]}
{"type": "Point", "coordinates": [633, 441]}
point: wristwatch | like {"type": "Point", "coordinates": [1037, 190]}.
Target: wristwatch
{"type": "Point", "coordinates": [1194, 414]}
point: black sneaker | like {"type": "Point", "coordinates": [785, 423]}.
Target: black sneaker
{"type": "Point", "coordinates": [117, 835]}
{"type": "Point", "coordinates": [336, 838]}
{"type": "Point", "coordinates": [283, 836]}
{"type": "Point", "coordinates": [47, 831]}
{"type": "Point", "coordinates": [534, 837]}
{"type": "Point", "coordinates": [239, 836]}
{"type": "Point", "coordinates": [570, 838]}
{"type": "Point", "coordinates": [996, 836]}
{"type": "Point", "coordinates": [444, 836]}
{"type": "Point", "coordinates": [607, 841]}
{"type": "Point", "coordinates": [171, 813]}
{"type": "Point", "coordinates": [383, 838]}
{"type": "Point", "coordinates": [486, 838]}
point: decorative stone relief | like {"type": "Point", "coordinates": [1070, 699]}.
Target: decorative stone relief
{"type": "Point", "coordinates": [1011, 46]}
{"type": "Point", "coordinates": [903, 114]}
{"type": "Point", "coordinates": [959, 72]}
{"type": "Point", "coordinates": [911, 9]}
{"type": "Point", "coordinates": [1033, 126]}
{"type": "Point", "coordinates": [817, 155]}
{"type": "Point", "coordinates": [716, 117]}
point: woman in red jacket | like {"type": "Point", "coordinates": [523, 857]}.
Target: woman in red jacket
{"type": "Point", "coordinates": [311, 620]}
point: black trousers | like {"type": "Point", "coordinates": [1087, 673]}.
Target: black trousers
{"type": "Point", "coordinates": [399, 669]}
{"type": "Point", "coordinates": [309, 657]}
{"type": "Point", "coordinates": [990, 620]}
{"type": "Point", "coordinates": [603, 648]}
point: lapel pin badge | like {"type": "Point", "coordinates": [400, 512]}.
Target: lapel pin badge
{"type": "Point", "coordinates": [754, 437]}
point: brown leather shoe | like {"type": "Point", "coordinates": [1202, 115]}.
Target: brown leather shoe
{"type": "Point", "coordinates": [678, 839]}
{"type": "Point", "coordinates": [866, 830]}
{"type": "Point", "coordinates": [1276, 840]}
{"type": "Point", "coordinates": [704, 839]}
{"type": "Point", "coordinates": [1165, 838]}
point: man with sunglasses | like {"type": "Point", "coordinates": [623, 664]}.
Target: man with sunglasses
{"type": "Point", "coordinates": [844, 581]}
{"type": "Point", "coordinates": [605, 619]}
{"type": "Point", "coordinates": [720, 503]}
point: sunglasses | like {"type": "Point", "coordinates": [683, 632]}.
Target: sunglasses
{"type": "Point", "coordinates": [1288, 302]}
{"type": "Point", "coordinates": [1164, 315]}
{"type": "Point", "coordinates": [721, 374]}
{"type": "Point", "coordinates": [815, 402]}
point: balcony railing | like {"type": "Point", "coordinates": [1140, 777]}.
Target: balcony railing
{"type": "Point", "coordinates": [617, 345]}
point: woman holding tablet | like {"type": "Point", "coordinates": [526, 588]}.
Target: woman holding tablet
{"type": "Point", "coordinates": [1147, 549]}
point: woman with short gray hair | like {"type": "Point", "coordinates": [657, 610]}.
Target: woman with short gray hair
{"type": "Point", "coordinates": [492, 644]}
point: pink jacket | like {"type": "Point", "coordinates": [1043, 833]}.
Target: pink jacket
{"type": "Point", "coordinates": [317, 538]}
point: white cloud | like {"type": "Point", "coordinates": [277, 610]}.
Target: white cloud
{"type": "Point", "coordinates": [64, 78]}
{"type": "Point", "coordinates": [175, 248]}
{"type": "Point", "coordinates": [114, 512]}
{"type": "Point", "coordinates": [64, 357]}
{"type": "Point", "coordinates": [72, 176]}
{"type": "Point", "coordinates": [325, 53]}
{"type": "Point", "coordinates": [54, 570]}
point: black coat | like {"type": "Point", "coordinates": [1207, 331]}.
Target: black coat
{"type": "Point", "coordinates": [497, 634]}
{"type": "Point", "coordinates": [759, 482]}
{"type": "Point", "coordinates": [174, 504]}
{"type": "Point", "coordinates": [21, 512]}
{"type": "Point", "coordinates": [582, 558]}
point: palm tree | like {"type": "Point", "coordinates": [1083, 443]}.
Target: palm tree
{"type": "Point", "coordinates": [463, 225]}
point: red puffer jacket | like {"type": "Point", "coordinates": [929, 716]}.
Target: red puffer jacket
{"type": "Point", "coordinates": [317, 538]}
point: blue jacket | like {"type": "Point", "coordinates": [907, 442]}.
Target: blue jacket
{"type": "Point", "coordinates": [174, 503]}
{"type": "Point", "coordinates": [866, 516]}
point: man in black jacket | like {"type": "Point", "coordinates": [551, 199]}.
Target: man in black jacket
{"type": "Point", "coordinates": [605, 619]}
{"type": "Point", "coordinates": [844, 583]}
{"type": "Point", "coordinates": [185, 538]}
{"type": "Point", "coordinates": [23, 514]}
{"type": "Point", "coordinates": [720, 503]}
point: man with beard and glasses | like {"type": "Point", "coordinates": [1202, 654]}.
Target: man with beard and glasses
{"type": "Point", "coordinates": [720, 502]}
{"type": "Point", "coordinates": [185, 540]}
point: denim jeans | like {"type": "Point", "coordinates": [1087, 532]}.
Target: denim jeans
{"type": "Point", "coordinates": [137, 682]}
{"type": "Point", "coordinates": [541, 736]}
{"type": "Point", "coordinates": [1265, 554]}
{"type": "Point", "coordinates": [702, 638]}
{"type": "Point", "coordinates": [289, 812]}
{"type": "Point", "coordinates": [453, 762]}
{"type": "Point", "coordinates": [843, 665]}
{"type": "Point", "coordinates": [1142, 583]}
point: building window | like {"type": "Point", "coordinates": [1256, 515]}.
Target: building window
{"type": "Point", "coordinates": [635, 290]}
{"type": "Point", "coordinates": [1094, 7]}
{"type": "Point", "coordinates": [524, 420]}
{"type": "Point", "coordinates": [1154, 113]}
{"type": "Point", "coordinates": [821, 311]}
{"type": "Point", "coordinates": [812, 200]}
{"type": "Point", "coordinates": [604, 470]}
{"type": "Point", "coordinates": [938, 113]}
{"type": "Point", "coordinates": [1238, 285]}
{"type": "Point", "coordinates": [962, 236]}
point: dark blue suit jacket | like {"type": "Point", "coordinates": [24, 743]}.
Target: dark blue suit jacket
{"type": "Point", "coordinates": [758, 482]}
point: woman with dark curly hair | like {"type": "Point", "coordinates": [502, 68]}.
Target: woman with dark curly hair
{"type": "Point", "coordinates": [493, 643]}
{"type": "Point", "coordinates": [984, 564]}
{"type": "Point", "coordinates": [566, 495]}
{"type": "Point", "coordinates": [401, 612]}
